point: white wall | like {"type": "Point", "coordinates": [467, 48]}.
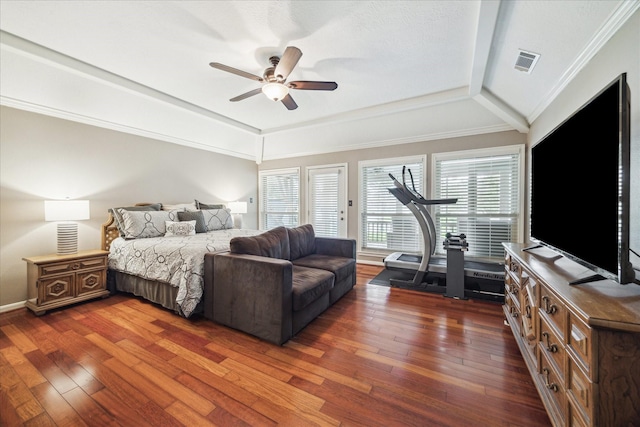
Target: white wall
{"type": "Point", "coordinates": [621, 54]}
{"type": "Point", "coordinates": [43, 158]}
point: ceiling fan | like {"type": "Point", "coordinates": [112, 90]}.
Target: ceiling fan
{"type": "Point", "coordinates": [275, 77]}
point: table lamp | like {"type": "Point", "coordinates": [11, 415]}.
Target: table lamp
{"type": "Point", "coordinates": [237, 209]}
{"type": "Point", "coordinates": [66, 212]}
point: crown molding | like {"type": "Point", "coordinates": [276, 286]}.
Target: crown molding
{"type": "Point", "coordinates": [79, 118]}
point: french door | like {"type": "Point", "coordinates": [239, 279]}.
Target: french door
{"type": "Point", "coordinates": [327, 200]}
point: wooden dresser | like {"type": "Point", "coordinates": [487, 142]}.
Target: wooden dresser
{"type": "Point", "coordinates": [581, 343]}
{"type": "Point", "coordinates": [59, 280]}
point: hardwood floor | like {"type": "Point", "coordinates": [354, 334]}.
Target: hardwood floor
{"type": "Point", "coordinates": [378, 357]}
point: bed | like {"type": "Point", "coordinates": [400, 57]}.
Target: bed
{"type": "Point", "coordinates": [160, 264]}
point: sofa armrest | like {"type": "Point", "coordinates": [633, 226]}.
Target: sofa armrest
{"type": "Point", "coordinates": [336, 247]}
{"type": "Point", "coordinates": [253, 294]}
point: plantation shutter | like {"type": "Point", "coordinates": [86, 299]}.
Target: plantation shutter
{"type": "Point", "coordinates": [279, 198]}
{"type": "Point", "coordinates": [487, 186]}
{"type": "Point", "coordinates": [385, 223]}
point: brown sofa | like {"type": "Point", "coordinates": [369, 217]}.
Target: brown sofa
{"type": "Point", "coordinates": [272, 285]}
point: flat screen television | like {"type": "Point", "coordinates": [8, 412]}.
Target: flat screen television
{"type": "Point", "coordinates": [580, 189]}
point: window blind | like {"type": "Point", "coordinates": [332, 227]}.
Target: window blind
{"type": "Point", "coordinates": [385, 224]}
{"type": "Point", "coordinates": [279, 198]}
{"type": "Point", "coordinates": [324, 193]}
{"type": "Point", "coordinates": [487, 187]}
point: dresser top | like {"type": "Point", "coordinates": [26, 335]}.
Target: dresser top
{"type": "Point", "coordinates": [603, 303]}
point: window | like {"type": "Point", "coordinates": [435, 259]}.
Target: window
{"type": "Point", "coordinates": [488, 185]}
{"type": "Point", "coordinates": [279, 198]}
{"type": "Point", "coordinates": [386, 225]}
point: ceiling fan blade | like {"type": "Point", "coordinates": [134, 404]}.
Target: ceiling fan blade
{"type": "Point", "coordinates": [307, 85]}
{"type": "Point", "coordinates": [288, 61]}
{"type": "Point", "coordinates": [235, 71]}
{"type": "Point", "coordinates": [246, 95]}
{"type": "Point", "coordinates": [289, 102]}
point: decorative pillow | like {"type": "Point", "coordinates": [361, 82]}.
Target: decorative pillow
{"type": "Point", "coordinates": [217, 219]}
{"type": "Point", "coordinates": [139, 225]}
{"type": "Point", "coordinates": [118, 218]}
{"type": "Point", "coordinates": [180, 206]}
{"type": "Point", "coordinates": [203, 206]}
{"type": "Point", "coordinates": [196, 216]}
{"type": "Point", "coordinates": [182, 228]}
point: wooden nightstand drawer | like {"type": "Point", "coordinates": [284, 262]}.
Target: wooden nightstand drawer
{"type": "Point", "coordinates": [55, 289]}
{"type": "Point", "coordinates": [73, 265]}
{"type": "Point", "coordinates": [91, 281]}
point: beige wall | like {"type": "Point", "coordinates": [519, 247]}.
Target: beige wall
{"type": "Point", "coordinates": [351, 158]}
{"type": "Point", "coordinates": [45, 158]}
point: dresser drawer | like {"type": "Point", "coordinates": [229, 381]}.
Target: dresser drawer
{"type": "Point", "coordinates": [72, 265]}
{"type": "Point", "coordinates": [551, 345]}
{"type": "Point", "coordinates": [579, 339]}
{"type": "Point", "coordinates": [581, 389]}
{"type": "Point", "coordinates": [555, 311]}
{"type": "Point", "coordinates": [554, 386]}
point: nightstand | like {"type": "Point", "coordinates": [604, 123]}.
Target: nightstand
{"type": "Point", "coordinates": [60, 280]}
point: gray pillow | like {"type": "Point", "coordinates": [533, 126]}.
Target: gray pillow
{"type": "Point", "coordinates": [203, 206]}
{"type": "Point", "coordinates": [196, 216]}
{"type": "Point", "coordinates": [118, 217]}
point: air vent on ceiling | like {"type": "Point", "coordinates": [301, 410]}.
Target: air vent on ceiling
{"type": "Point", "coordinates": [526, 61]}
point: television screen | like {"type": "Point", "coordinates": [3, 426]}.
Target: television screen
{"type": "Point", "coordinates": [580, 185]}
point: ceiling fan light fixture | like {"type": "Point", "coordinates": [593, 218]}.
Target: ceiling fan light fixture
{"type": "Point", "coordinates": [275, 91]}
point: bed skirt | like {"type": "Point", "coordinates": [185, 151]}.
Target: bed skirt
{"type": "Point", "coordinates": [157, 292]}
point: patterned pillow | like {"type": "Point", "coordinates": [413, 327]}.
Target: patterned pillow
{"type": "Point", "coordinates": [196, 216]}
{"type": "Point", "coordinates": [139, 225]}
{"type": "Point", "coordinates": [217, 219]}
{"type": "Point", "coordinates": [182, 228]}
{"type": "Point", "coordinates": [118, 218]}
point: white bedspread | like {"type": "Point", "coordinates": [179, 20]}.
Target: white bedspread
{"type": "Point", "coordinates": [178, 261]}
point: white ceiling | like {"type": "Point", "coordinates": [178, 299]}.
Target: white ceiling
{"type": "Point", "coordinates": [406, 71]}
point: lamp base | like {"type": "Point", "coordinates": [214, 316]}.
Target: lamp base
{"type": "Point", "coordinates": [67, 238]}
{"type": "Point", "coordinates": [237, 221]}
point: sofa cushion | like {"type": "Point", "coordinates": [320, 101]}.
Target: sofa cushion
{"type": "Point", "coordinates": [273, 244]}
{"type": "Point", "coordinates": [309, 284]}
{"type": "Point", "coordinates": [302, 241]}
{"type": "Point", "coordinates": [341, 267]}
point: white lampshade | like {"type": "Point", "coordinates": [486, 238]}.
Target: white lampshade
{"type": "Point", "coordinates": [237, 207]}
{"type": "Point", "coordinates": [66, 210]}
{"type": "Point", "coordinates": [275, 91]}
{"type": "Point", "coordinates": [62, 211]}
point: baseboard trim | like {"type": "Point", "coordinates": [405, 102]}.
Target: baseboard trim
{"type": "Point", "coordinates": [11, 307]}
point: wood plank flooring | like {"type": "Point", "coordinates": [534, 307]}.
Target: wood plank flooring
{"type": "Point", "coordinates": [379, 357]}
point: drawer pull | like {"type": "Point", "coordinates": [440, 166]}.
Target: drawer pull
{"type": "Point", "coordinates": [552, 348]}
{"type": "Point", "coordinates": [75, 266]}
{"type": "Point", "coordinates": [527, 310]}
{"type": "Point", "coordinates": [553, 387]}
{"type": "Point", "coordinates": [549, 308]}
